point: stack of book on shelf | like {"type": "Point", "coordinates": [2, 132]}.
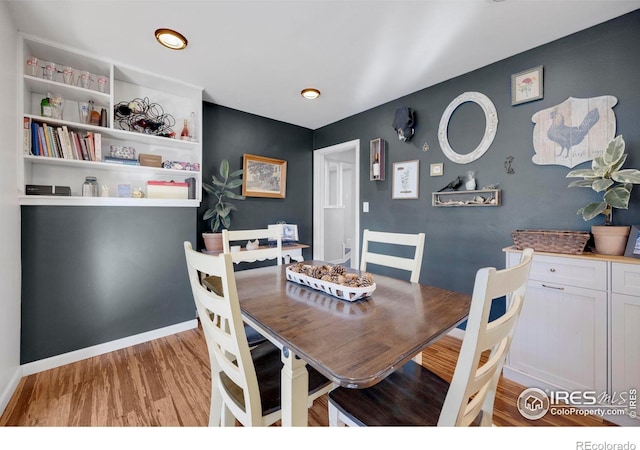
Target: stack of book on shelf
{"type": "Point", "coordinates": [167, 189]}
{"type": "Point", "coordinates": [60, 142]}
{"type": "Point", "coordinates": [121, 155]}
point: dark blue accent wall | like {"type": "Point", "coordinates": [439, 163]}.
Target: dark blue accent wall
{"type": "Point", "coordinates": [603, 60]}
{"type": "Point", "coordinates": [92, 275]}
{"type": "Point", "coordinates": [228, 134]}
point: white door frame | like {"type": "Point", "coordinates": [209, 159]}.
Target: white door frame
{"type": "Point", "coordinates": [318, 193]}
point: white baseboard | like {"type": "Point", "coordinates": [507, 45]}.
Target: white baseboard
{"type": "Point", "coordinates": [100, 349]}
{"type": "Point", "coordinates": [10, 389]}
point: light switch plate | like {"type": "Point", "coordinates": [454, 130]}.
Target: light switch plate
{"type": "Point", "coordinates": [365, 206]}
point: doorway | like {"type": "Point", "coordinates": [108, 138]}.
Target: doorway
{"type": "Point", "coordinates": [336, 198]}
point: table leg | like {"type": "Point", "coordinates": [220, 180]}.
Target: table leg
{"type": "Point", "coordinates": [295, 389]}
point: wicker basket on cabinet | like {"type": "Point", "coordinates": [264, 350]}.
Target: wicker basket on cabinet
{"type": "Point", "coordinates": [552, 241]}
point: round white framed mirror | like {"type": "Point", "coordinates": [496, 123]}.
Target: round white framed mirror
{"type": "Point", "coordinates": [491, 118]}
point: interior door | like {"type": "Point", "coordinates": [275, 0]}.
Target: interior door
{"type": "Point", "coordinates": [336, 199]}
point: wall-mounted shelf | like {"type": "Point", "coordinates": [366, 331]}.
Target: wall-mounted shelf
{"type": "Point", "coordinates": [481, 197]}
{"type": "Point", "coordinates": [376, 164]}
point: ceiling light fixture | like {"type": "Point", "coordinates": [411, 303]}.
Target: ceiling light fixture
{"type": "Point", "coordinates": [310, 93]}
{"type": "Point", "coordinates": [171, 39]}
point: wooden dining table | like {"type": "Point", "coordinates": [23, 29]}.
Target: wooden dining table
{"type": "Point", "coordinates": [354, 344]}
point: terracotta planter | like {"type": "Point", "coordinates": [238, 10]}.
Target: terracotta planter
{"type": "Point", "coordinates": [213, 242]}
{"type": "Point", "coordinates": [610, 240]}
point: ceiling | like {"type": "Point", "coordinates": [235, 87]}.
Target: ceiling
{"type": "Point", "coordinates": [256, 56]}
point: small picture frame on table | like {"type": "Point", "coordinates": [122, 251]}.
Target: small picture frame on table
{"type": "Point", "coordinates": [633, 243]}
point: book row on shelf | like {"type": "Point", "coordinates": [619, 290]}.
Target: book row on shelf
{"type": "Point", "coordinates": [60, 142]}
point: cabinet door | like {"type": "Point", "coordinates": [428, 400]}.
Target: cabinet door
{"type": "Point", "coordinates": [625, 342]}
{"type": "Point", "coordinates": [561, 336]}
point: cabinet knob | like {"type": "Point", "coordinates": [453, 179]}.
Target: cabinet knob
{"type": "Point", "coordinates": [552, 270]}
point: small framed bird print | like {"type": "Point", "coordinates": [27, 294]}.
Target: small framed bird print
{"type": "Point", "coordinates": [526, 86]}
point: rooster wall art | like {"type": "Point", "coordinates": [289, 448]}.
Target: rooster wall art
{"type": "Point", "coordinates": [575, 131]}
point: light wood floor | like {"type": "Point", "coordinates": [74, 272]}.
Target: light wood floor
{"type": "Point", "coordinates": [166, 382]}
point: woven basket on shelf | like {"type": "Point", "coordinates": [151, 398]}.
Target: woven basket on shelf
{"type": "Point", "coordinates": [552, 241]}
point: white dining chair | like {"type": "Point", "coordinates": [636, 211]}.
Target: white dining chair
{"type": "Point", "coordinates": [271, 240]}
{"type": "Point", "coordinates": [245, 384]}
{"type": "Point", "coordinates": [272, 237]}
{"type": "Point", "coordinates": [415, 396]}
{"type": "Point", "coordinates": [412, 265]}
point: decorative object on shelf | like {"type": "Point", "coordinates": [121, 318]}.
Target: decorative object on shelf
{"type": "Point", "coordinates": [491, 117]}
{"type": "Point", "coordinates": [376, 157]}
{"type": "Point", "coordinates": [149, 160]}
{"type": "Point", "coordinates": [67, 75]}
{"type": "Point", "coordinates": [50, 71]}
{"type": "Point", "coordinates": [252, 245]}
{"type": "Point", "coordinates": [90, 187]}
{"type": "Point", "coordinates": [124, 190]}
{"type": "Point", "coordinates": [264, 177]}
{"type": "Point", "coordinates": [120, 151]}
{"type": "Point", "coordinates": [142, 116]}
{"type": "Point", "coordinates": [552, 241]}
{"type": "Point", "coordinates": [481, 197]}
{"type": "Point", "coordinates": [403, 123]}
{"type": "Point", "coordinates": [436, 170]}
{"type": "Point", "coordinates": [606, 175]}
{"type": "Point", "coordinates": [138, 192]}
{"type": "Point", "coordinates": [45, 106]}
{"type": "Point", "coordinates": [184, 134]}
{"type": "Point", "coordinates": [406, 179]}
{"type": "Point", "coordinates": [335, 280]}
{"type": "Point", "coordinates": [31, 68]}
{"type": "Point", "coordinates": [527, 86]}
{"type": "Point", "coordinates": [508, 165]}
{"type": "Point", "coordinates": [632, 249]}
{"type": "Point", "coordinates": [453, 185]}
{"type": "Point", "coordinates": [84, 79]}
{"type": "Point", "coordinates": [94, 115]}
{"type": "Point", "coordinates": [219, 216]}
{"type": "Point", "coordinates": [574, 131]}
{"type": "Point", "coordinates": [83, 112]}
{"type": "Point", "coordinates": [181, 165]}
{"type": "Point", "coordinates": [102, 83]}
{"type": "Point", "coordinates": [470, 182]}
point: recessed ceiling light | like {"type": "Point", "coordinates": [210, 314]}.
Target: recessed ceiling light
{"type": "Point", "coordinates": [310, 93]}
{"type": "Point", "coordinates": [171, 39]}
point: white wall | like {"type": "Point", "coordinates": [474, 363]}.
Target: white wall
{"type": "Point", "coordinates": [10, 271]}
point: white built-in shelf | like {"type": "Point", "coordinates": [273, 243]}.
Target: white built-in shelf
{"type": "Point", "coordinates": [125, 84]}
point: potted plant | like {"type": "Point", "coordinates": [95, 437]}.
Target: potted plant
{"type": "Point", "coordinates": [219, 217]}
{"type": "Point", "coordinates": [606, 176]}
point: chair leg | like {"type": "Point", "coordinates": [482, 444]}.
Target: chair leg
{"type": "Point", "coordinates": [333, 415]}
{"type": "Point", "coordinates": [228, 419]}
{"type": "Point", "coordinates": [216, 406]}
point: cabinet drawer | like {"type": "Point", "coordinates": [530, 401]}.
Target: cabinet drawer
{"type": "Point", "coordinates": [625, 278]}
{"type": "Point", "coordinates": [584, 273]}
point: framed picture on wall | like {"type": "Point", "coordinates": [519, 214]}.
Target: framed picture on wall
{"type": "Point", "coordinates": [526, 86]}
{"type": "Point", "coordinates": [264, 177]}
{"type": "Point", "coordinates": [405, 179]}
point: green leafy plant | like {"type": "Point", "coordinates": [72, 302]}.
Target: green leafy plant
{"type": "Point", "coordinates": [219, 216]}
{"type": "Point", "coordinates": [607, 176]}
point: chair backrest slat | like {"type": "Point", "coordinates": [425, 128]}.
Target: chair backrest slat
{"type": "Point", "coordinates": [412, 265]}
{"type": "Point", "coordinates": [274, 234]}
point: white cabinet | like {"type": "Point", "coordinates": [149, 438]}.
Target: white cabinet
{"type": "Point", "coordinates": [172, 102]}
{"type": "Point", "coordinates": [561, 337]}
{"type": "Point", "coordinates": [579, 329]}
{"type": "Point", "coordinates": [625, 327]}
